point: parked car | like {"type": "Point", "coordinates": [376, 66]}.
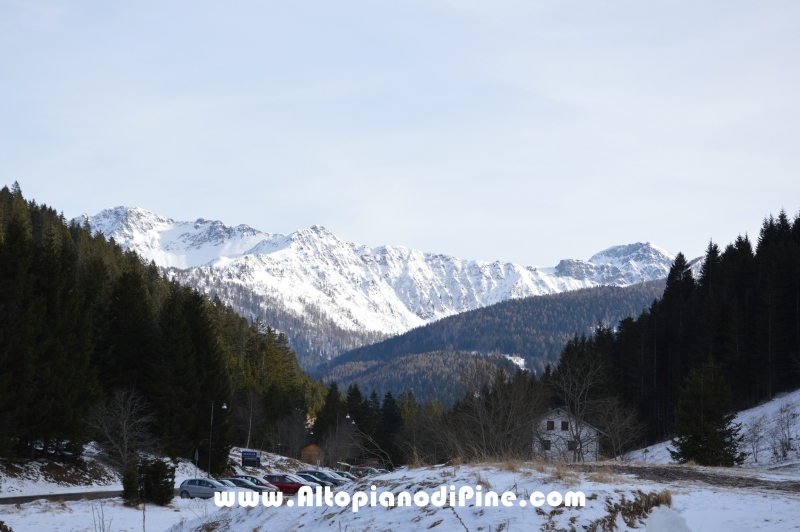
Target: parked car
{"type": "Point", "coordinates": [318, 481]}
{"type": "Point", "coordinates": [287, 483]}
{"type": "Point", "coordinates": [363, 471]}
{"type": "Point", "coordinates": [337, 474]}
{"type": "Point", "coordinates": [203, 488]}
{"type": "Point", "coordinates": [258, 482]}
{"type": "Point", "coordinates": [325, 475]}
{"type": "Point", "coordinates": [244, 483]}
{"type": "Point", "coordinates": [346, 475]}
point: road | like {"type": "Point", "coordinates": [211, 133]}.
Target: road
{"type": "Point", "coordinates": [73, 496]}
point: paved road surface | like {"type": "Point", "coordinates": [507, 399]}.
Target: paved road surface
{"type": "Point", "coordinates": [88, 495]}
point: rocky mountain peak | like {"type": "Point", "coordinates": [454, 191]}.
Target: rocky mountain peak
{"type": "Point", "coordinates": [381, 290]}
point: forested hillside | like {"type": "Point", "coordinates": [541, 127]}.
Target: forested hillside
{"type": "Point", "coordinates": [536, 328]}
{"type": "Point", "coordinates": [313, 335]}
{"type": "Point", "coordinates": [430, 376]}
{"type": "Point", "coordinates": [80, 319]}
{"type": "Point", "coordinates": [742, 314]}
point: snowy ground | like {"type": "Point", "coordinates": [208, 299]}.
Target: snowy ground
{"type": "Point", "coordinates": [659, 453]}
{"type": "Point", "coordinates": [768, 501]}
{"type": "Point", "coordinates": [86, 516]}
{"type": "Point", "coordinates": [47, 478]}
{"type": "Point", "coordinates": [43, 478]}
{"type": "Point", "coordinates": [759, 496]}
{"type": "Point", "coordinates": [696, 505]}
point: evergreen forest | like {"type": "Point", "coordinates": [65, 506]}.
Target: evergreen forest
{"type": "Point", "coordinates": [81, 320]}
{"type": "Point", "coordinates": [741, 313]}
{"type": "Point", "coordinates": [430, 376]}
{"type": "Point", "coordinates": [535, 328]}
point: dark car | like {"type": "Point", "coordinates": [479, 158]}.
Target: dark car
{"type": "Point", "coordinates": [324, 475]}
{"type": "Point", "coordinates": [362, 472]}
{"type": "Point", "coordinates": [346, 475]}
{"type": "Point", "coordinates": [311, 478]}
{"type": "Point", "coordinates": [244, 483]}
{"type": "Point", "coordinates": [287, 483]}
{"type": "Point", "coordinates": [258, 482]}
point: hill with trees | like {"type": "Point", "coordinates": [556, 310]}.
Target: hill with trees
{"type": "Point", "coordinates": [430, 376]}
{"type": "Point", "coordinates": [534, 328]}
{"type": "Point", "coordinates": [81, 320]}
{"type": "Point", "coordinates": [741, 314]}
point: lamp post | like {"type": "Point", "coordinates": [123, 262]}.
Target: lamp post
{"type": "Point", "coordinates": [210, 434]}
{"type": "Point", "coordinates": [347, 416]}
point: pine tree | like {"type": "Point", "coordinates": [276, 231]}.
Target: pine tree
{"type": "Point", "coordinates": [20, 326]}
{"type": "Point", "coordinates": [126, 340]}
{"type": "Point", "coordinates": [389, 425]}
{"type": "Point", "coordinates": [172, 384]}
{"type": "Point", "coordinates": [705, 431]}
{"type": "Point", "coordinates": [335, 407]}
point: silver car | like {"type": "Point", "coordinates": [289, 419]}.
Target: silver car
{"type": "Point", "coordinates": [203, 488]}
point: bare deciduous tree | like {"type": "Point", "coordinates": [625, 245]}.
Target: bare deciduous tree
{"type": "Point", "coordinates": [122, 426]}
{"type": "Point", "coordinates": [754, 434]}
{"type": "Point", "coordinates": [249, 416]}
{"type": "Point", "coordinates": [288, 435]}
{"type": "Point", "coordinates": [783, 431]}
{"type": "Point", "coordinates": [495, 417]}
{"type": "Point", "coordinates": [576, 383]}
{"type": "Point", "coordinates": [620, 423]}
{"type": "Point", "coordinates": [340, 444]}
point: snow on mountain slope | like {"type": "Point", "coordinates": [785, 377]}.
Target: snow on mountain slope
{"type": "Point", "coordinates": [175, 244]}
{"type": "Point", "coordinates": [386, 289]}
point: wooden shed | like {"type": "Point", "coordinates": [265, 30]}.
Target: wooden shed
{"type": "Point", "coordinates": [312, 454]}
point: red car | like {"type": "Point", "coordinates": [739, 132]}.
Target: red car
{"type": "Point", "coordinates": [286, 483]}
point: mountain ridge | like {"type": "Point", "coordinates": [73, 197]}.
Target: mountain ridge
{"type": "Point", "coordinates": [369, 292]}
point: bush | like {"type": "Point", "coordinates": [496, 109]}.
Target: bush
{"type": "Point", "coordinates": [159, 482]}
{"type": "Point", "coordinates": [131, 487]}
{"type": "Point", "coordinates": [4, 527]}
{"type": "Point", "coordinates": [151, 480]}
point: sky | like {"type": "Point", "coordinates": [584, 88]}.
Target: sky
{"type": "Point", "coordinates": [523, 131]}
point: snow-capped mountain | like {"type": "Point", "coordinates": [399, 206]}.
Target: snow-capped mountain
{"type": "Point", "coordinates": [380, 291]}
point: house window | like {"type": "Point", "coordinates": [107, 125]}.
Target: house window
{"type": "Point", "coordinates": [546, 445]}
{"type": "Point", "coordinates": [551, 425]}
{"type": "Point", "coordinates": [565, 425]}
{"type": "Point", "coordinates": [572, 445]}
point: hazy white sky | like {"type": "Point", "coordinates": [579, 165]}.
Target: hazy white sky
{"type": "Point", "coordinates": [522, 131]}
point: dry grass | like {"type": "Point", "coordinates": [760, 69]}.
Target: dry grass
{"type": "Point", "coordinates": [633, 512]}
{"type": "Point", "coordinates": [416, 462]}
{"type": "Point", "coordinates": [664, 498]}
{"type": "Point", "coordinates": [511, 465]}
{"type": "Point", "coordinates": [561, 473]}
{"type": "Point", "coordinates": [603, 475]}
{"type": "Point", "coordinates": [456, 461]}
{"type": "Point", "coordinates": [480, 480]}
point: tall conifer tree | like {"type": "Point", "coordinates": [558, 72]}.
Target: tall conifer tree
{"type": "Point", "coordinates": [704, 428]}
